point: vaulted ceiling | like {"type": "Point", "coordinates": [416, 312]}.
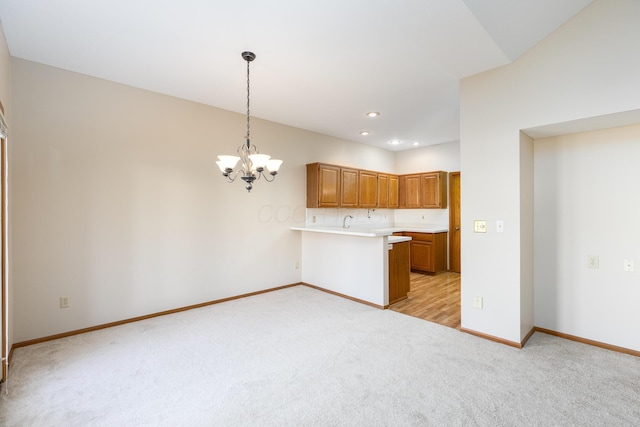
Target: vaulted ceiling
{"type": "Point", "coordinates": [320, 65]}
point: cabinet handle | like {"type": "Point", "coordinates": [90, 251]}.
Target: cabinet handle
{"type": "Point", "coordinates": [457, 228]}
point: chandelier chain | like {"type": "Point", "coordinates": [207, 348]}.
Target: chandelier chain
{"type": "Point", "coordinates": [248, 111]}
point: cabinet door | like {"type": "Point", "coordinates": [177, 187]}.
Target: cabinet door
{"type": "Point", "coordinates": [393, 192]}
{"type": "Point", "coordinates": [399, 272]}
{"type": "Point", "coordinates": [383, 191]}
{"type": "Point", "coordinates": [349, 193]}
{"type": "Point", "coordinates": [422, 256]}
{"type": "Point", "coordinates": [411, 191]}
{"type": "Point", "coordinates": [323, 186]}
{"type": "Point", "coordinates": [368, 186]}
{"type": "Point", "coordinates": [434, 190]}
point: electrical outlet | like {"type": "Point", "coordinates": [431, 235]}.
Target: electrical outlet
{"type": "Point", "coordinates": [628, 265]}
{"type": "Point", "coordinates": [477, 302]}
{"type": "Point", "coordinates": [296, 265]}
{"type": "Point", "coordinates": [64, 302]}
{"type": "Point", "coordinates": [593, 261]}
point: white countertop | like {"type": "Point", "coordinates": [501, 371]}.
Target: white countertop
{"type": "Point", "coordinates": [372, 232]}
{"type": "Point", "coordinates": [398, 239]}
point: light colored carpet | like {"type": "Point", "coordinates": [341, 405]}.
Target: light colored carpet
{"type": "Point", "coordinates": [301, 357]}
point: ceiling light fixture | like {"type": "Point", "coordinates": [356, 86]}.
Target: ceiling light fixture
{"type": "Point", "coordinates": [364, 133]}
{"type": "Point", "coordinates": [373, 114]}
{"type": "Point", "coordinates": [253, 164]}
{"type": "Point", "coordinates": [394, 142]}
{"type": "Point", "coordinates": [415, 143]}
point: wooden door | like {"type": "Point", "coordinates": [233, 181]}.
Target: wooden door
{"type": "Point", "coordinates": [383, 191]}
{"type": "Point", "coordinates": [368, 186]}
{"type": "Point", "coordinates": [349, 193]}
{"type": "Point", "coordinates": [454, 222]}
{"type": "Point", "coordinates": [393, 192]}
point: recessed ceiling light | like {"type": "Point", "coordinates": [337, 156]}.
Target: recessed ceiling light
{"type": "Point", "coordinates": [364, 133]}
{"type": "Point", "coordinates": [415, 143]}
{"type": "Point", "coordinates": [373, 114]}
{"type": "Point", "coordinates": [394, 142]}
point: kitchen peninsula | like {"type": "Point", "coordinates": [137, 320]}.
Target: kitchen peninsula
{"type": "Point", "coordinates": [352, 262]}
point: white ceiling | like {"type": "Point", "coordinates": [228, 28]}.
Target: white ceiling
{"type": "Point", "coordinates": [320, 65]}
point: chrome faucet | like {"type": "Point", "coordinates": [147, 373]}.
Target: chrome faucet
{"type": "Point", "coordinates": [344, 221]}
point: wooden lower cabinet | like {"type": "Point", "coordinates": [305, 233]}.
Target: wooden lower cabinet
{"type": "Point", "coordinates": [428, 251]}
{"type": "Point", "coordinates": [399, 269]}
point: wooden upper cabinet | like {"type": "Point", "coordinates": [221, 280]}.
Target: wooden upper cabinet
{"type": "Point", "coordinates": [393, 192]}
{"type": "Point", "coordinates": [410, 196]}
{"type": "Point", "coordinates": [425, 190]}
{"type": "Point", "coordinates": [383, 191]}
{"type": "Point", "coordinates": [330, 186]}
{"type": "Point", "coordinates": [434, 190]}
{"type": "Point", "coordinates": [323, 186]}
{"type": "Point", "coordinates": [368, 189]}
{"type": "Point", "coordinates": [350, 188]}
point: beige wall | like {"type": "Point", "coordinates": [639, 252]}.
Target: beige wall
{"type": "Point", "coordinates": [586, 204]}
{"type": "Point", "coordinates": [117, 202]}
{"type": "Point", "coordinates": [444, 157]}
{"type": "Point", "coordinates": [589, 67]}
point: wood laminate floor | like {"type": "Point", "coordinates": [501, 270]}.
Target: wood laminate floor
{"type": "Point", "coordinates": [434, 298]}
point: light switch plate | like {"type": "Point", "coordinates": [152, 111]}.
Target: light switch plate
{"type": "Point", "coordinates": [593, 261]}
{"type": "Point", "coordinates": [499, 226]}
{"type": "Point", "coordinates": [479, 226]}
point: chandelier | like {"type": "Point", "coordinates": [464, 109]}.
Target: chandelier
{"type": "Point", "coordinates": [253, 165]}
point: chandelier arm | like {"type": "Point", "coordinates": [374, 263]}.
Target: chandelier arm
{"type": "Point", "coordinates": [266, 177]}
{"type": "Point", "coordinates": [231, 176]}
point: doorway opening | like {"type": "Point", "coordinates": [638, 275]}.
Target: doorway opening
{"type": "Point", "coordinates": [436, 297]}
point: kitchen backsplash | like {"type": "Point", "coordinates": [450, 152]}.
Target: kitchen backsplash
{"type": "Point", "coordinates": [362, 218]}
{"type": "Point", "coordinates": [377, 218]}
{"type": "Point", "coordinates": [435, 217]}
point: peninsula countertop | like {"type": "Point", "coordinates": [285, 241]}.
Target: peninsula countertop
{"type": "Point", "coordinates": [374, 232]}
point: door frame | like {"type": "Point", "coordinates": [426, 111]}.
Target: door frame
{"type": "Point", "coordinates": [4, 246]}
{"type": "Point", "coordinates": [454, 229]}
